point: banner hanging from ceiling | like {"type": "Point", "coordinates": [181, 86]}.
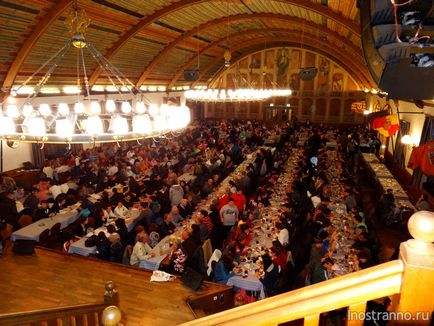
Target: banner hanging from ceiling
{"type": "Point", "coordinates": [387, 125]}
{"type": "Point", "coordinates": [359, 106]}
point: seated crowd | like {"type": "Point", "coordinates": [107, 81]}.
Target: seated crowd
{"type": "Point", "coordinates": [168, 181]}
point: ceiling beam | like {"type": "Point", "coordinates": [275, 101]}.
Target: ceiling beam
{"type": "Point", "coordinates": [223, 21]}
{"type": "Point", "coordinates": [146, 21]}
{"type": "Point", "coordinates": [247, 33]}
{"type": "Point", "coordinates": [315, 45]}
{"type": "Point", "coordinates": [44, 22]}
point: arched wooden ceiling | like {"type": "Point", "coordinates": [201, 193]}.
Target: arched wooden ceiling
{"type": "Point", "coordinates": [152, 41]}
{"type": "Point", "coordinates": [236, 38]}
{"type": "Point", "coordinates": [315, 45]}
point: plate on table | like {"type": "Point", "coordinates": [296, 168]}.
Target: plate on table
{"type": "Point", "coordinates": [238, 271]}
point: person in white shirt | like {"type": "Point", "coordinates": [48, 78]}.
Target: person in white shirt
{"type": "Point", "coordinates": [48, 170]}
{"type": "Point", "coordinates": [283, 235]}
{"type": "Point", "coordinates": [112, 170]}
{"type": "Point", "coordinates": [141, 250]}
{"type": "Point", "coordinates": [55, 191]}
{"type": "Point", "coordinates": [129, 172]}
{"type": "Point", "coordinates": [108, 214]}
{"type": "Point", "coordinates": [121, 210]}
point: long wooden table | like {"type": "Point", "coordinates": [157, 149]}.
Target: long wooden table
{"type": "Point", "coordinates": [386, 180]}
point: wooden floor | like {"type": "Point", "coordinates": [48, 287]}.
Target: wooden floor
{"type": "Point", "coordinates": [50, 279]}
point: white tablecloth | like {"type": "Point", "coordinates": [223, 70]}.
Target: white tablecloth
{"type": "Point", "coordinates": [187, 177]}
{"type": "Point", "coordinates": [161, 250]}
{"type": "Point", "coordinates": [80, 248]}
{"type": "Point", "coordinates": [250, 283]}
{"type": "Point", "coordinates": [34, 230]}
{"type": "Point", "coordinates": [386, 180]}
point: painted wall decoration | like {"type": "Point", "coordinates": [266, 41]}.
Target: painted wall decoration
{"type": "Point", "coordinates": [172, 101]}
{"type": "Point", "coordinates": [281, 66]}
{"type": "Point", "coordinates": [326, 98]}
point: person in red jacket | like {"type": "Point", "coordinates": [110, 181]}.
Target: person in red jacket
{"type": "Point", "coordinates": [279, 255]}
{"type": "Point", "coordinates": [223, 200]}
{"type": "Point", "coordinates": [239, 200]}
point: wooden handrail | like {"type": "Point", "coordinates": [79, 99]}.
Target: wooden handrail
{"type": "Point", "coordinates": [33, 316]}
{"type": "Point", "coordinates": [351, 290]}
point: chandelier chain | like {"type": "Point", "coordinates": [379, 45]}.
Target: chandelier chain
{"type": "Point", "coordinates": [86, 80]}
{"type": "Point", "coordinates": [60, 54]}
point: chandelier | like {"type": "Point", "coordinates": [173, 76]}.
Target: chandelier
{"type": "Point", "coordinates": [88, 119]}
{"type": "Point", "coordinates": [235, 95]}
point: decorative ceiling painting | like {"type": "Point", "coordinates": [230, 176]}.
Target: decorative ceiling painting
{"type": "Point", "coordinates": [153, 42]}
{"type": "Point", "coordinates": [306, 73]}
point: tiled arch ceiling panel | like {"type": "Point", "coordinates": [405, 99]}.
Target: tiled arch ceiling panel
{"type": "Point", "coordinates": [112, 20]}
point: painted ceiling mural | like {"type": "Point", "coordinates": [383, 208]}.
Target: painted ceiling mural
{"type": "Point", "coordinates": [286, 68]}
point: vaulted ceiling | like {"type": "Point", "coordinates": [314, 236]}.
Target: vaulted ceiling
{"type": "Point", "coordinates": [153, 41]}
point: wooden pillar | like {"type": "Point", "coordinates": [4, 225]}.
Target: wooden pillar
{"type": "Point", "coordinates": [111, 295]}
{"type": "Point", "coordinates": [415, 302]}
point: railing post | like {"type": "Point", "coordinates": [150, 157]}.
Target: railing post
{"type": "Point", "coordinates": [415, 303]}
{"type": "Point", "coordinates": [111, 295]}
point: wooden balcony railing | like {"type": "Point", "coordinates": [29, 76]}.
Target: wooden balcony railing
{"type": "Point", "coordinates": [91, 314]}
{"type": "Point", "coordinates": [409, 281]}
{"type": "Point", "coordinates": [83, 314]}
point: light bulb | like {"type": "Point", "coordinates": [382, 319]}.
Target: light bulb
{"type": "Point", "coordinates": [79, 108]}
{"type": "Point", "coordinates": [7, 125]}
{"type": "Point", "coordinates": [95, 108]}
{"type": "Point", "coordinates": [110, 106]}
{"type": "Point", "coordinates": [27, 110]}
{"type": "Point", "coordinates": [153, 110]}
{"type": "Point", "coordinates": [126, 107]}
{"type": "Point", "coordinates": [119, 125]}
{"type": "Point", "coordinates": [11, 99]}
{"type": "Point", "coordinates": [63, 109]}
{"type": "Point", "coordinates": [94, 125]}
{"type": "Point", "coordinates": [140, 107]}
{"type": "Point", "coordinates": [165, 110]}
{"type": "Point", "coordinates": [407, 140]}
{"type": "Point", "coordinates": [160, 123]}
{"type": "Point", "coordinates": [12, 111]}
{"type": "Point", "coordinates": [141, 124]}
{"type": "Point", "coordinates": [64, 128]}
{"type": "Point", "coordinates": [36, 126]}
{"type": "Point", "coordinates": [44, 110]}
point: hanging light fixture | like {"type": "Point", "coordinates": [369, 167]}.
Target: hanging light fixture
{"type": "Point", "coordinates": [247, 93]}
{"type": "Point", "coordinates": [227, 56]}
{"type": "Point", "coordinates": [86, 119]}
{"type": "Point", "coordinates": [235, 95]}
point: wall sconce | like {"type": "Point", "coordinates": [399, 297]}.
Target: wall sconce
{"type": "Point", "coordinates": [407, 140]}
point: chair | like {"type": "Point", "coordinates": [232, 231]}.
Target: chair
{"type": "Point", "coordinates": [155, 238]}
{"type": "Point", "coordinates": [127, 255]}
{"type": "Point", "coordinates": [207, 251]}
{"type": "Point", "coordinates": [54, 240]}
{"type": "Point", "coordinates": [289, 257]}
{"type": "Point", "coordinates": [91, 223]}
{"type": "Point", "coordinates": [216, 255]}
{"type": "Point", "coordinates": [25, 220]}
{"type": "Point", "coordinates": [6, 232]}
{"type": "Point", "coordinates": [44, 238]}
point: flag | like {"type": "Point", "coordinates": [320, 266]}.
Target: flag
{"type": "Point", "coordinates": [386, 126]}
{"type": "Point", "coordinates": [359, 107]}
